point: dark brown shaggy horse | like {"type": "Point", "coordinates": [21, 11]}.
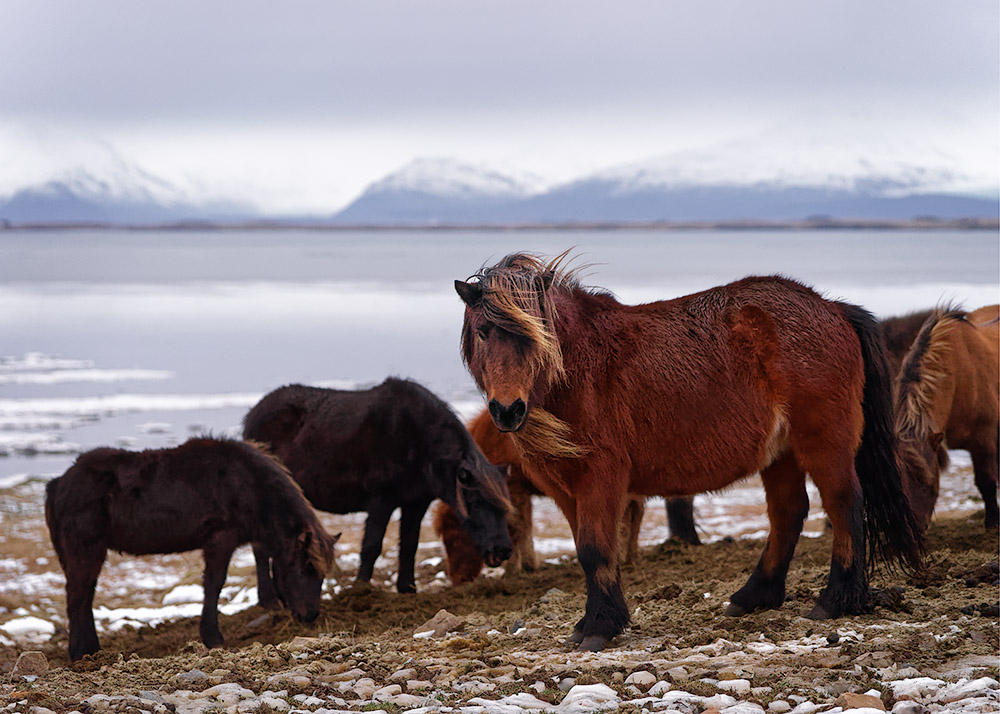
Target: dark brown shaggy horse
{"type": "Point", "coordinates": [689, 395]}
{"type": "Point", "coordinates": [462, 558]}
{"type": "Point", "coordinates": [899, 333]}
{"type": "Point", "coordinates": [947, 397]}
{"type": "Point", "coordinates": [392, 446]}
{"type": "Point", "coordinates": [207, 493]}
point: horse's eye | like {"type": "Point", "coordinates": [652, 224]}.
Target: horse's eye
{"type": "Point", "coordinates": [483, 332]}
{"type": "Point", "coordinates": [465, 477]}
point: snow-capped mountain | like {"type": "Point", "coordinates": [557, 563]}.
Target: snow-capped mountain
{"type": "Point", "coordinates": [774, 176]}
{"type": "Point", "coordinates": [111, 190]}
{"type": "Point", "coordinates": [435, 190]}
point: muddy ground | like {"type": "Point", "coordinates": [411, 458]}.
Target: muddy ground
{"type": "Point", "coordinates": [939, 621]}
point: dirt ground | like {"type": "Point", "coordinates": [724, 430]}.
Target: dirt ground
{"type": "Point", "coordinates": [942, 619]}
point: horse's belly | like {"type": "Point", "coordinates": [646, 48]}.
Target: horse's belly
{"type": "Point", "coordinates": [711, 465]}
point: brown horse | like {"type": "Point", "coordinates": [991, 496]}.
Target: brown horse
{"type": "Point", "coordinates": [207, 493]}
{"type": "Point", "coordinates": [689, 395]}
{"type": "Point", "coordinates": [947, 397]}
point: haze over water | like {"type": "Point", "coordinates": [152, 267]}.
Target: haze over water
{"type": "Point", "coordinates": [144, 338]}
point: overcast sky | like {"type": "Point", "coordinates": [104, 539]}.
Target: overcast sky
{"type": "Point", "coordinates": [298, 105]}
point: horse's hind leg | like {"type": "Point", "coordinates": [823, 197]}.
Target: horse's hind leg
{"type": "Point", "coordinates": [217, 552]}
{"type": "Point", "coordinates": [787, 508]}
{"type": "Point", "coordinates": [267, 596]}
{"type": "Point", "coordinates": [409, 538]}
{"type": "Point", "coordinates": [846, 591]}
{"type": "Point", "coordinates": [371, 543]}
{"type": "Point", "coordinates": [82, 568]}
{"type": "Point", "coordinates": [521, 528]}
{"type": "Point", "coordinates": [680, 520]}
{"type": "Point", "coordinates": [628, 544]}
{"type": "Point", "coordinates": [984, 464]}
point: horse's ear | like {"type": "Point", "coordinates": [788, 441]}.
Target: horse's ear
{"type": "Point", "coordinates": [471, 293]}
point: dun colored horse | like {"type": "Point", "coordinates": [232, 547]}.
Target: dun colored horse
{"type": "Point", "coordinates": [463, 561]}
{"type": "Point", "coordinates": [393, 446]}
{"type": "Point", "coordinates": [207, 493]}
{"type": "Point", "coordinates": [947, 396]}
{"type": "Point", "coordinates": [679, 397]}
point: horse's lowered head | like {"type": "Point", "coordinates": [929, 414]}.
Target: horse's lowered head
{"type": "Point", "coordinates": [298, 570]}
{"type": "Point", "coordinates": [508, 337]}
{"type": "Point", "coordinates": [477, 491]}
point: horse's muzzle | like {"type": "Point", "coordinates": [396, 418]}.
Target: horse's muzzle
{"type": "Point", "coordinates": [309, 615]}
{"type": "Point", "coordinates": [508, 417]}
{"type": "Point", "coordinates": [495, 557]}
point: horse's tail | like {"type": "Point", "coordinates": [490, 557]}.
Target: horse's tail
{"type": "Point", "coordinates": [52, 516]}
{"type": "Point", "coordinates": [891, 528]}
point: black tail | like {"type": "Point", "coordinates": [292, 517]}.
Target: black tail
{"type": "Point", "coordinates": [51, 519]}
{"type": "Point", "coordinates": [891, 529]}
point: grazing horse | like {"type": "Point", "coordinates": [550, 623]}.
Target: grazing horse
{"type": "Point", "coordinates": [947, 397]}
{"type": "Point", "coordinates": [392, 446]}
{"type": "Point", "coordinates": [689, 395]}
{"type": "Point", "coordinates": [207, 493]}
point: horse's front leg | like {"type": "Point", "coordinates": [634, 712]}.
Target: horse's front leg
{"type": "Point", "coordinates": [984, 465]}
{"type": "Point", "coordinates": [217, 551]}
{"type": "Point", "coordinates": [409, 537]}
{"type": "Point", "coordinates": [371, 543]}
{"type": "Point", "coordinates": [267, 596]}
{"type": "Point", "coordinates": [599, 512]}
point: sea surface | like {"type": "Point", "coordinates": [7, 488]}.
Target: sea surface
{"type": "Point", "coordinates": [141, 339]}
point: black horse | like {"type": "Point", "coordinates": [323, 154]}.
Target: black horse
{"type": "Point", "coordinates": [393, 446]}
{"type": "Point", "coordinates": [207, 493]}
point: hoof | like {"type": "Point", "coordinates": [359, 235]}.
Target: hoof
{"type": "Point", "coordinates": [734, 610]}
{"type": "Point", "coordinates": [593, 643]}
{"type": "Point", "coordinates": [819, 613]}
{"type": "Point", "coordinates": [270, 604]}
{"type": "Point", "coordinates": [574, 639]}
{"type": "Point", "coordinates": [407, 589]}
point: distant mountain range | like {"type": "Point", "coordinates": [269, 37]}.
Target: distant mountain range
{"type": "Point", "coordinates": [729, 184]}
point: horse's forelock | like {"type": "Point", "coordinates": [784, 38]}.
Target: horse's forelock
{"type": "Point", "coordinates": [923, 368]}
{"type": "Point", "coordinates": [518, 296]}
{"type": "Point", "coordinates": [321, 551]}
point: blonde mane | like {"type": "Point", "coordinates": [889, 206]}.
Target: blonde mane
{"type": "Point", "coordinates": [923, 368]}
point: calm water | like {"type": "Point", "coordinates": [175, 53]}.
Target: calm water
{"type": "Point", "coordinates": [143, 338]}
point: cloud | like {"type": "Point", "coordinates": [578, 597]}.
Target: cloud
{"type": "Point", "coordinates": [301, 104]}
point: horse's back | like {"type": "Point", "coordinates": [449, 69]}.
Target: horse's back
{"type": "Point", "coordinates": [974, 350]}
{"type": "Point", "coordinates": [730, 377]}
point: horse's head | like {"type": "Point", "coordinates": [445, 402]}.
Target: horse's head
{"type": "Point", "coordinates": [299, 570]}
{"type": "Point", "coordinates": [921, 462]}
{"type": "Point", "coordinates": [921, 413]}
{"type": "Point", "coordinates": [477, 492]}
{"type": "Point", "coordinates": [508, 337]}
